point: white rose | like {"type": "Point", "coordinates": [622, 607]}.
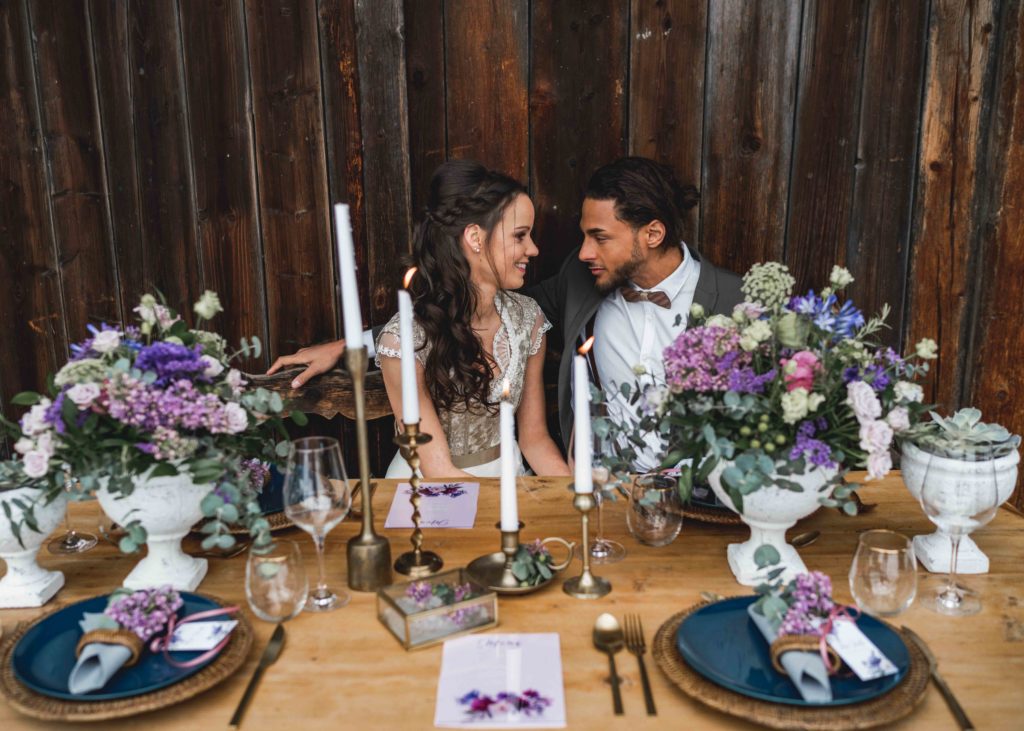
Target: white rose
{"type": "Point", "coordinates": [927, 349]}
{"type": "Point", "coordinates": [720, 321]}
{"type": "Point", "coordinates": [106, 341]}
{"type": "Point", "coordinates": [794, 405]}
{"type": "Point", "coordinates": [147, 309]}
{"type": "Point", "coordinates": [45, 444]}
{"type": "Point", "coordinates": [236, 418]}
{"type": "Point", "coordinates": [235, 380]}
{"type": "Point", "coordinates": [163, 316]}
{"type": "Point", "coordinates": [83, 394]}
{"type": "Point", "coordinates": [759, 330]}
{"type": "Point", "coordinates": [879, 464]}
{"type": "Point", "coordinates": [814, 401]}
{"type": "Point", "coordinates": [862, 399]}
{"type": "Point", "coordinates": [34, 421]}
{"type": "Point", "coordinates": [908, 392]}
{"type": "Point", "coordinates": [696, 311]}
{"type": "Point", "coordinates": [899, 419]}
{"type": "Point", "coordinates": [24, 445]}
{"type": "Point", "coordinates": [840, 277]}
{"type": "Point", "coordinates": [36, 463]}
{"type": "Point", "coordinates": [639, 369]}
{"type": "Point", "coordinates": [208, 305]}
{"type": "Point", "coordinates": [875, 436]}
{"type": "Point", "coordinates": [748, 343]}
{"type": "Point", "coordinates": [213, 366]}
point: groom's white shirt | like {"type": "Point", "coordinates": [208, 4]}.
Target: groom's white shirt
{"type": "Point", "coordinates": [629, 334]}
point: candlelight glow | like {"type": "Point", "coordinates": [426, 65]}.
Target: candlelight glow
{"type": "Point", "coordinates": [409, 274]}
{"type": "Point", "coordinates": [506, 392]}
{"type": "Point", "coordinates": [585, 348]}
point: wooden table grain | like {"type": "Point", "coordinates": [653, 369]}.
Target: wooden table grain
{"type": "Point", "coordinates": [343, 669]}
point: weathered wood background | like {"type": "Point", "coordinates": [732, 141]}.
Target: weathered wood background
{"type": "Point", "coordinates": [193, 144]}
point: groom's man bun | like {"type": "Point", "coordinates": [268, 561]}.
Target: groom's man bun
{"type": "Point", "coordinates": [644, 190]}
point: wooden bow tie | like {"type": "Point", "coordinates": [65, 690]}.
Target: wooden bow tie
{"type": "Point", "coordinates": [655, 296]}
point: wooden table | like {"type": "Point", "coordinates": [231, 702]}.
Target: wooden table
{"type": "Point", "coordinates": [343, 669]}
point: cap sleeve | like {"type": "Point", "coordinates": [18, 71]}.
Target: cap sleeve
{"type": "Point", "coordinates": [389, 343]}
{"type": "Point", "coordinates": [540, 326]}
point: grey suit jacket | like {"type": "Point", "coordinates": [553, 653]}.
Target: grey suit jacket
{"type": "Point", "coordinates": [569, 301]}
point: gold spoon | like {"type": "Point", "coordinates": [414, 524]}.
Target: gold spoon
{"type": "Point", "coordinates": [608, 638]}
{"type": "Point", "coordinates": [805, 539]}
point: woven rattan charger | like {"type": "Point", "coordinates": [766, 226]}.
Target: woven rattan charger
{"type": "Point", "coordinates": [36, 705]}
{"type": "Point", "coordinates": [880, 711]}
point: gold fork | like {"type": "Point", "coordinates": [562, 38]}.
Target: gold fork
{"type": "Point", "coordinates": [635, 643]}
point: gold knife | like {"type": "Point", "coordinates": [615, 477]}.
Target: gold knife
{"type": "Point", "coordinates": [940, 683]}
{"type": "Point", "coordinates": [269, 657]}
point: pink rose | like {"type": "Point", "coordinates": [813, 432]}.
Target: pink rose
{"type": "Point", "coordinates": [899, 419]}
{"type": "Point", "coordinates": [862, 399]}
{"type": "Point", "coordinates": [875, 436]}
{"type": "Point", "coordinates": [800, 369]}
{"type": "Point", "coordinates": [879, 464]}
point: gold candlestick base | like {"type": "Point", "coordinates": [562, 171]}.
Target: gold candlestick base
{"type": "Point", "coordinates": [416, 563]}
{"type": "Point", "coordinates": [494, 570]}
{"type": "Point", "coordinates": [369, 554]}
{"type": "Point", "coordinates": [586, 585]}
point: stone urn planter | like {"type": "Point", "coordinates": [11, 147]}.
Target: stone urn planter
{"type": "Point", "coordinates": [769, 512]}
{"type": "Point", "coordinates": [167, 507]}
{"type": "Point", "coordinates": [934, 550]}
{"type": "Point", "coordinates": [26, 583]}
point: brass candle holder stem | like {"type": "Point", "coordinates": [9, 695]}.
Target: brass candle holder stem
{"type": "Point", "coordinates": [494, 570]}
{"type": "Point", "coordinates": [417, 562]}
{"type": "Point", "coordinates": [369, 554]}
{"type": "Point", "coordinates": [586, 585]}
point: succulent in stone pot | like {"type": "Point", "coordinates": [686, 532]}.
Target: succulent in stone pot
{"type": "Point", "coordinates": [962, 433]}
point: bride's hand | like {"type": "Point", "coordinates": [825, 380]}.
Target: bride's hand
{"type": "Point", "coordinates": [317, 359]}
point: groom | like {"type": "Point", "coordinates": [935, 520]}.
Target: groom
{"type": "Point", "coordinates": [632, 282]}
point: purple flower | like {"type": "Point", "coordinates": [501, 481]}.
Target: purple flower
{"type": "Point", "coordinates": [420, 591]}
{"type": "Point", "coordinates": [746, 380]}
{"type": "Point", "coordinates": [82, 350]}
{"type": "Point", "coordinates": [817, 452]}
{"type": "Point", "coordinates": [171, 362]}
{"type": "Point", "coordinates": [839, 323]}
{"type": "Point", "coordinates": [145, 612]}
{"type": "Point", "coordinates": [702, 359]}
{"type": "Point", "coordinates": [809, 597]}
{"type": "Point", "coordinates": [54, 414]}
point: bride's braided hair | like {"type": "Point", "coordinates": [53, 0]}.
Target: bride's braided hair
{"type": "Point", "coordinates": [462, 192]}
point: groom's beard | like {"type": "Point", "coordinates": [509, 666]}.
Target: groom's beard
{"type": "Point", "coordinates": [624, 273]}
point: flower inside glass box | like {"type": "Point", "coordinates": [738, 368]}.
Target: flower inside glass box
{"type": "Point", "coordinates": [426, 611]}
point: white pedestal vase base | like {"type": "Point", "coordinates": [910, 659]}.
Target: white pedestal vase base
{"type": "Point", "coordinates": [26, 583]}
{"type": "Point", "coordinates": [770, 512]}
{"type": "Point", "coordinates": [167, 507]}
{"type": "Point", "coordinates": [935, 550]}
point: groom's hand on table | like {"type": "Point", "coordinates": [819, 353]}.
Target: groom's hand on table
{"type": "Point", "coordinates": [317, 359]}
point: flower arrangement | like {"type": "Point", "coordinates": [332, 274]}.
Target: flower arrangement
{"type": "Point", "coordinates": [532, 564]}
{"type": "Point", "coordinates": [422, 595]}
{"type": "Point", "coordinates": [785, 385]}
{"type": "Point", "coordinates": [481, 706]}
{"type": "Point", "coordinates": [144, 613]}
{"type": "Point", "coordinates": [155, 399]}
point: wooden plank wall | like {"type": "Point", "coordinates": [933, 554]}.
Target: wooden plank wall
{"type": "Point", "coordinates": [189, 144]}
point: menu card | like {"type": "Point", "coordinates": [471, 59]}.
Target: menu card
{"type": "Point", "coordinates": [442, 505]}
{"type": "Point", "coordinates": [501, 681]}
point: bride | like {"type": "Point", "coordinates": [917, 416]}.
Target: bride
{"type": "Point", "coordinates": [471, 333]}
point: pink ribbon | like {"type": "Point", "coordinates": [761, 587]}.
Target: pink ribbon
{"type": "Point", "coordinates": [162, 643]}
{"type": "Point", "coordinates": [838, 613]}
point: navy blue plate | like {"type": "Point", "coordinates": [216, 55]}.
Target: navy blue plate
{"type": "Point", "coordinates": [721, 643]}
{"type": "Point", "coordinates": [44, 657]}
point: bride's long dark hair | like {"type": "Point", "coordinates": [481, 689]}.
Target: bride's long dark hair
{"type": "Point", "coordinates": [462, 192]}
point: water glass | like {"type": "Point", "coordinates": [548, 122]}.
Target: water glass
{"type": "Point", "coordinates": [655, 514]}
{"type": "Point", "coordinates": [275, 581]}
{"type": "Point", "coordinates": [883, 576]}
{"type": "Point", "coordinates": [317, 497]}
{"type": "Point", "coordinates": [603, 550]}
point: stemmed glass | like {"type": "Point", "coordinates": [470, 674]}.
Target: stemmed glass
{"type": "Point", "coordinates": [275, 581]}
{"type": "Point", "coordinates": [72, 541]}
{"type": "Point", "coordinates": [959, 502]}
{"type": "Point", "coordinates": [317, 497]}
{"type": "Point", "coordinates": [603, 550]}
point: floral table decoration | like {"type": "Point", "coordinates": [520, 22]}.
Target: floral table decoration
{"type": "Point", "coordinates": [153, 420]}
{"type": "Point", "coordinates": [772, 405]}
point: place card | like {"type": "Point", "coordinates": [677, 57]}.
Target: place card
{"type": "Point", "coordinates": [858, 652]}
{"type": "Point", "coordinates": [442, 505]}
{"type": "Point", "coordinates": [501, 681]}
{"type": "Point", "coordinates": [200, 636]}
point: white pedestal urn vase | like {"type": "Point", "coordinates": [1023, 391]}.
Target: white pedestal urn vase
{"type": "Point", "coordinates": [26, 583]}
{"type": "Point", "coordinates": [769, 512]}
{"type": "Point", "coordinates": [167, 507]}
{"type": "Point", "coordinates": [935, 550]}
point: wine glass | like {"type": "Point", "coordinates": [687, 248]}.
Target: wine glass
{"type": "Point", "coordinates": [72, 541]}
{"type": "Point", "coordinates": [959, 502]}
{"type": "Point", "coordinates": [275, 581]}
{"type": "Point", "coordinates": [603, 550]}
{"type": "Point", "coordinates": [883, 575]}
{"type": "Point", "coordinates": [317, 497]}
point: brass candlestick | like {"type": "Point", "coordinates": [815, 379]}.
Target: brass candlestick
{"type": "Point", "coordinates": [369, 554]}
{"type": "Point", "coordinates": [417, 562]}
{"type": "Point", "coordinates": [494, 570]}
{"type": "Point", "coordinates": [586, 585]}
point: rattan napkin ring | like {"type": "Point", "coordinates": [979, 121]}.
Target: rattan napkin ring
{"type": "Point", "coordinates": [123, 637]}
{"type": "Point", "coordinates": [801, 643]}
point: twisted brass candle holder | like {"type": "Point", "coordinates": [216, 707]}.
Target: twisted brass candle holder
{"type": "Point", "coordinates": [416, 563]}
{"type": "Point", "coordinates": [586, 585]}
{"type": "Point", "coordinates": [369, 554]}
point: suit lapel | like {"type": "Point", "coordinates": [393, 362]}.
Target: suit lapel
{"type": "Point", "coordinates": [706, 292]}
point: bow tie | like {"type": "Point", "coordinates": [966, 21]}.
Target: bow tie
{"type": "Point", "coordinates": [655, 296]}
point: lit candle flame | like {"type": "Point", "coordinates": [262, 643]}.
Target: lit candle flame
{"type": "Point", "coordinates": [506, 392]}
{"type": "Point", "coordinates": [585, 348]}
{"type": "Point", "coordinates": [409, 274]}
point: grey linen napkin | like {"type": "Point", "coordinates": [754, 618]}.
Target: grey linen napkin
{"type": "Point", "coordinates": [98, 661]}
{"type": "Point", "coordinates": [805, 669]}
